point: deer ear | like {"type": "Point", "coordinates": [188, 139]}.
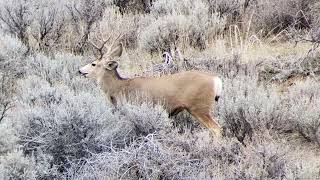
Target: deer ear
{"type": "Point", "coordinates": [111, 65]}
{"type": "Point", "coordinates": [116, 51]}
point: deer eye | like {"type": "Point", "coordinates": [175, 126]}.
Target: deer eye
{"type": "Point", "coordinates": [93, 64]}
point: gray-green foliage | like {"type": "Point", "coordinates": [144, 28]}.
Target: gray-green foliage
{"type": "Point", "coordinates": [60, 125]}
{"type": "Point", "coordinates": [15, 165]}
{"type": "Point", "coordinates": [180, 22]}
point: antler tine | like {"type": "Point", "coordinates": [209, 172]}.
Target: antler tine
{"type": "Point", "coordinates": [100, 49]}
{"type": "Point", "coordinates": [105, 41]}
{"type": "Point", "coordinates": [102, 45]}
{"type": "Point", "coordinates": [112, 44]}
{"type": "Point", "coordinates": [91, 43]}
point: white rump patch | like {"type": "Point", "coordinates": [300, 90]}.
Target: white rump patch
{"type": "Point", "coordinates": [217, 86]}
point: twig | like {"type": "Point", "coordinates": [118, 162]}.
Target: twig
{"type": "Point", "coordinates": [6, 107]}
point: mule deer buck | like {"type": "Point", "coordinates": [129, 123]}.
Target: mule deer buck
{"type": "Point", "coordinates": [191, 90]}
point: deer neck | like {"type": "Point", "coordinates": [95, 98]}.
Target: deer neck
{"type": "Point", "coordinates": [113, 83]}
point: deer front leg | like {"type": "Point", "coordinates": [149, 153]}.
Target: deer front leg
{"type": "Point", "coordinates": [113, 101]}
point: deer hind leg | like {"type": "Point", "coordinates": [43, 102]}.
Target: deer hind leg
{"type": "Point", "coordinates": [206, 119]}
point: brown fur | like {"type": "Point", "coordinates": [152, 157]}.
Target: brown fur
{"type": "Point", "coordinates": [192, 90]}
{"type": "Point", "coordinates": [176, 91]}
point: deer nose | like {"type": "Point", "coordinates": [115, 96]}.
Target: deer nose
{"type": "Point", "coordinates": [82, 73]}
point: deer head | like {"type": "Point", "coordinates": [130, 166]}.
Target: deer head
{"type": "Point", "coordinates": [104, 62]}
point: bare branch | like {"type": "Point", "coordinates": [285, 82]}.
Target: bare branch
{"type": "Point", "coordinates": [6, 106]}
{"type": "Point", "coordinates": [17, 18]}
{"type": "Point", "coordinates": [88, 12]}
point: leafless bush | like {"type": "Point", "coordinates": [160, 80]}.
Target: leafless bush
{"type": "Point", "coordinates": [8, 138]}
{"type": "Point", "coordinates": [273, 17]}
{"type": "Point", "coordinates": [84, 15]}
{"type": "Point", "coordinates": [127, 6]}
{"type": "Point", "coordinates": [11, 51]}
{"type": "Point", "coordinates": [7, 79]}
{"type": "Point", "coordinates": [48, 25]}
{"type": "Point", "coordinates": [6, 90]}
{"type": "Point", "coordinates": [233, 9]}
{"type": "Point", "coordinates": [30, 20]}
{"type": "Point", "coordinates": [113, 24]}
{"type": "Point", "coordinates": [17, 17]}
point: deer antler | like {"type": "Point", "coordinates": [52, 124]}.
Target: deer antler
{"type": "Point", "coordinates": [104, 42]}
{"type": "Point", "coordinates": [100, 49]}
{"type": "Point", "coordinates": [112, 44]}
